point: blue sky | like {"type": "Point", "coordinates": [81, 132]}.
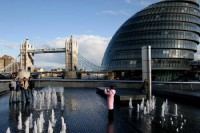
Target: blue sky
{"type": "Point", "coordinates": [48, 23]}
{"type": "Point", "coordinates": [48, 19]}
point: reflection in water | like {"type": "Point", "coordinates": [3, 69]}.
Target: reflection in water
{"type": "Point", "coordinates": [110, 128]}
{"type": "Point", "coordinates": [130, 112]}
{"type": "Point", "coordinates": [15, 108]}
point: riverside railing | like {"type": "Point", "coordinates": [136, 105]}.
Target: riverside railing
{"type": "Point", "coordinates": [4, 85]}
{"type": "Point", "coordinates": [75, 83]}
{"type": "Point", "coordinates": [118, 83]}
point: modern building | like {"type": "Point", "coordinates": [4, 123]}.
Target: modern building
{"type": "Point", "coordinates": [170, 27]}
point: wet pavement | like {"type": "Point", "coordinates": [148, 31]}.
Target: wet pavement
{"type": "Point", "coordinates": [89, 115]}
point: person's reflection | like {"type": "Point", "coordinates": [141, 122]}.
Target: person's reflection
{"type": "Point", "coordinates": [138, 115]}
{"type": "Point", "coordinates": [110, 128]}
{"type": "Point", "coordinates": [26, 109]}
{"type": "Point", "coordinates": [12, 113]}
{"type": "Point", "coordinates": [130, 112]}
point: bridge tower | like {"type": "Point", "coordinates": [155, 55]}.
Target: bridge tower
{"type": "Point", "coordinates": [71, 57]}
{"type": "Point", "coordinates": [26, 58]}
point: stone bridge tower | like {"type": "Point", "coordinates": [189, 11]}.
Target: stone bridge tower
{"type": "Point", "coordinates": [71, 57]}
{"type": "Point", "coordinates": [26, 59]}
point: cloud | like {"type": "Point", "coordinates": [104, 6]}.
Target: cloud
{"type": "Point", "coordinates": [8, 44]}
{"type": "Point", "coordinates": [116, 12]}
{"type": "Point", "coordinates": [138, 2]}
{"type": "Point", "coordinates": [91, 47]}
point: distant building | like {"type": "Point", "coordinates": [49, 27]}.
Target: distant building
{"type": "Point", "coordinates": [8, 64]}
{"type": "Point", "coordinates": [40, 71]}
{"type": "Point", "coordinates": [54, 74]}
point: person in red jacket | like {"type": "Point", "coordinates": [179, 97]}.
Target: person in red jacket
{"type": "Point", "coordinates": [110, 101]}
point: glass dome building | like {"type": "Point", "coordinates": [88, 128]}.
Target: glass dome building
{"type": "Point", "coordinates": [170, 27]}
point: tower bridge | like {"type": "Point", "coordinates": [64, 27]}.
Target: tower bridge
{"type": "Point", "coordinates": [73, 60]}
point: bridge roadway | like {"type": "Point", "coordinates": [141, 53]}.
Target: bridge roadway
{"type": "Point", "coordinates": [47, 50]}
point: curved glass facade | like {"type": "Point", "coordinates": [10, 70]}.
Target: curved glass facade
{"type": "Point", "coordinates": [170, 27]}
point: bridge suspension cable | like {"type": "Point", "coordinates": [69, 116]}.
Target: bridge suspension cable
{"type": "Point", "coordinates": [87, 63]}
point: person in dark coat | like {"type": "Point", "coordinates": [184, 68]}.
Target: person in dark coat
{"type": "Point", "coordinates": [144, 87]}
{"type": "Point", "coordinates": [31, 85]}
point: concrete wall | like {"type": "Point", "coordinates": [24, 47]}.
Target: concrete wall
{"type": "Point", "coordinates": [67, 83]}
{"type": "Point", "coordinates": [4, 85]}
{"type": "Point", "coordinates": [87, 83]}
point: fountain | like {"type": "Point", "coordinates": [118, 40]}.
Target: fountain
{"type": "Point", "coordinates": [53, 121]}
{"type": "Point", "coordinates": [142, 104]}
{"type": "Point", "coordinates": [163, 110]}
{"type": "Point", "coordinates": [145, 110]}
{"type": "Point", "coordinates": [50, 129]}
{"type": "Point", "coordinates": [166, 107]}
{"type": "Point", "coordinates": [130, 103]}
{"type": "Point", "coordinates": [19, 121]}
{"type": "Point", "coordinates": [138, 108]}
{"type": "Point", "coordinates": [153, 102]}
{"type": "Point", "coordinates": [176, 112]}
{"type": "Point", "coordinates": [148, 108]}
{"type": "Point", "coordinates": [48, 97]}
{"type": "Point", "coordinates": [130, 112]}
{"type": "Point", "coordinates": [39, 125]}
{"type": "Point", "coordinates": [31, 121]}
{"type": "Point", "coordinates": [63, 129]}
{"type": "Point", "coordinates": [34, 98]}
{"type": "Point", "coordinates": [62, 99]}
{"type": "Point", "coordinates": [54, 98]}
{"type": "Point", "coordinates": [8, 130]}
{"type": "Point", "coordinates": [27, 125]}
{"type": "Point", "coordinates": [35, 127]}
{"type": "Point", "coordinates": [42, 120]}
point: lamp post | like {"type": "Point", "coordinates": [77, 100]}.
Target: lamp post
{"type": "Point", "coordinates": [146, 68]}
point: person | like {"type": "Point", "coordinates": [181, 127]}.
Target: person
{"type": "Point", "coordinates": [12, 86]}
{"type": "Point", "coordinates": [31, 85]}
{"type": "Point", "coordinates": [110, 127]}
{"type": "Point", "coordinates": [25, 85]}
{"type": "Point", "coordinates": [18, 91]}
{"type": "Point", "coordinates": [110, 102]}
{"type": "Point", "coordinates": [144, 87]}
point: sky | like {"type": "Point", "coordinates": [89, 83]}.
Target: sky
{"type": "Point", "coordinates": [49, 23]}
